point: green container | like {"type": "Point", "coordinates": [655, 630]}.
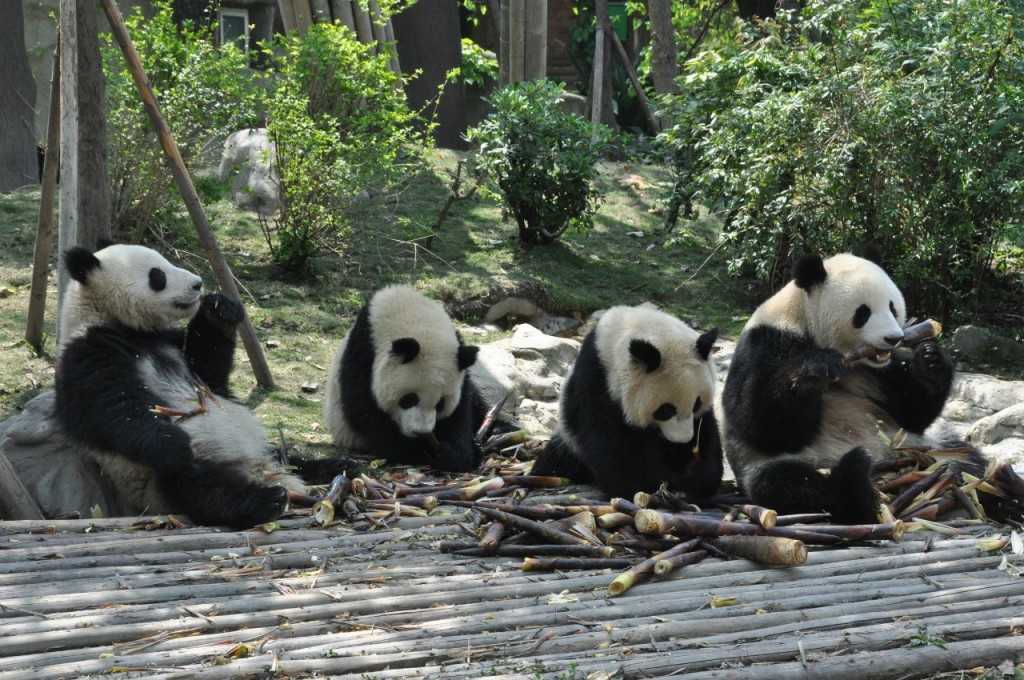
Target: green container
{"type": "Point", "coordinates": [620, 19]}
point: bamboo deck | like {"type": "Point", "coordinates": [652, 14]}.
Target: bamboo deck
{"type": "Point", "coordinates": [84, 599]}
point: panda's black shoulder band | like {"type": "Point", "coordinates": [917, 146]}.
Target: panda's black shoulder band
{"type": "Point", "coordinates": [706, 342]}
{"type": "Point", "coordinates": [809, 271]}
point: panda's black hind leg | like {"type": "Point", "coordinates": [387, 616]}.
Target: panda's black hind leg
{"type": "Point", "coordinates": [213, 495]}
{"type": "Point", "coordinates": [556, 460]}
{"type": "Point", "coordinates": [322, 470]}
{"type": "Point", "coordinates": [794, 486]}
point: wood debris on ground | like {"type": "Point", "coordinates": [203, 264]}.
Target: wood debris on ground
{"type": "Point", "coordinates": [409, 575]}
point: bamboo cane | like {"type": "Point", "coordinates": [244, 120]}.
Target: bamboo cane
{"type": "Point", "coordinates": [225, 278]}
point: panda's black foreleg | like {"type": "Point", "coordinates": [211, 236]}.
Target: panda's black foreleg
{"type": "Point", "coordinates": [210, 340]}
{"type": "Point", "coordinates": [792, 486]}
{"type": "Point", "coordinates": [216, 495]}
{"type": "Point", "coordinates": [915, 390]}
{"type": "Point", "coordinates": [703, 477]}
{"type": "Point", "coordinates": [557, 460]}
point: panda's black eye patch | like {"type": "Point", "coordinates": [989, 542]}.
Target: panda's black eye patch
{"type": "Point", "coordinates": [664, 412]}
{"type": "Point", "coordinates": [861, 316]}
{"type": "Point", "coordinates": [440, 405]}
{"type": "Point", "coordinates": [892, 308]}
{"type": "Point", "coordinates": [157, 279]}
{"type": "Point", "coordinates": [409, 400]}
{"type": "Point", "coordinates": [697, 405]}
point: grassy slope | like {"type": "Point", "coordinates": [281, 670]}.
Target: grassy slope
{"type": "Point", "coordinates": [475, 250]}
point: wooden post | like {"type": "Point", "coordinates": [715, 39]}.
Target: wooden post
{"type": "Point", "coordinates": [342, 10]}
{"type": "Point", "coordinates": [287, 15]}
{"type": "Point", "coordinates": [536, 40]}
{"type": "Point", "coordinates": [516, 40]}
{"type": "Point", "coordinates": [664, 53]}
{"type": "Point", "coordinates": [503, 43]}
{"type": "Point", "coordinates": [303, 15]}
{"type": "Point", "coordinates": [84, 190]}
{"type": "Point", "coordinates": [364, 29]}
{"type": "Point", "coordinates": [389, 35]}
{"type": "Point", "coordinates": [44, 228]}
{"type": "Point", "coordinates": [600, 92]}
{"type": "Point", "coordinates": [321, 11]}
{"type": "Point", "coordinates": [645, 105]}
{"type": "Point", "coordinates": [188, 193]}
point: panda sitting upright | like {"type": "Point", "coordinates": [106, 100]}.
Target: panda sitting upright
{"type": "Point", "coordinates": [637, 408]}
{"type": "Point", "coordinates": [793, 403]}
{"type": "Point", "coordinates": [150, 400]}
{"type": "Point", "coordinates": [399, 385]}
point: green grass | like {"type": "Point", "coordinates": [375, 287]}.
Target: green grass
{"type": "Point", "coordinates": [474, 252]}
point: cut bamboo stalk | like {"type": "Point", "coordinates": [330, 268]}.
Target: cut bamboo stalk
{"type": "Point", "coordinates": [535, 481]}
{"type": "Point", "coordinates": [641, 572]}
{"type": "Point", "coordinates": [573, 563]}
{"type": "Point", "coordinates": [624, 506]}
{"type": "Point", "coordinates": [538, 551]}
{"type": "Point", "coordinates": [806, 518]}
{"type": "Point", "coordinates": [763, 517]}
{"type": "Point", "coordinates": [900, 503]}
{"type": "Point", "coordinates": [666, 566]}
{"type": "Point", "coordinates": [484, 431]}
{"type": "Point", "coordinates": [767, 550]}
{"type": "Point", "coordinates": [220, 268]}
{"type": "Point", "coordinates": [544, 531]}
{"type": "Point", "coordinates": [614, 520]}
{"type": "Point", "coordinates": [492, 537]}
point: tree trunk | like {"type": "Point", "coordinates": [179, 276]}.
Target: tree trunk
{"type": "Point", "coordinates": [664, 67]}
{"type": "Point", "coordinates": [601, 91]}
{"type": "Point", "coordinates": [18, 162]}
{"type": "Point", "coordinates": [84, 191]}
{"type": "Point", "coordinates": [429, 40]}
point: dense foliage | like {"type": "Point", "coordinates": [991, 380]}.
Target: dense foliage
{"type": "Point", "coordinates": [341, 128]}
{"type": "Point", "coordinates": [204, 94]}
{"type": "Point", "coordinates": [540, 159]}
{"type": "Point", "coordinates": [898, 123]}
{"type": "Point", "coordinates": [479, 66]}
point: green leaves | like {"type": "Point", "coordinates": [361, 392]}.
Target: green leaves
{"type": "Point", "coordinates": [864, 120]}
{"type": "Point", "coordinates": [539, 159]}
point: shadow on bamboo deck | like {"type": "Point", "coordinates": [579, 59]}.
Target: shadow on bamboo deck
{"type": "Point", "coordinates": [80, 598]}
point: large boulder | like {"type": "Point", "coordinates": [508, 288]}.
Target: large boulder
{"type": "Point", "coordinates": [531, 366]}
{"type": "Point", "coordinates": [61, 476]}
{"type": "Point", "coordinates": [978, 345]}
{"type": "Point", "coordinates": [248, 157]}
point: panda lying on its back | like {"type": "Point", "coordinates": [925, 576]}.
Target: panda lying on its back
{"type": "Point", "coordinates": [398, 378]}
{"type": "Point", "coordinates": [151, 400]}
{"type": "Point", "coordinates": [792, 404]}
{"type": "Point", "coordinates": [636, 410]}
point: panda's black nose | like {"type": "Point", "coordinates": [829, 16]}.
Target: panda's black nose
{"type": "Point", "coordinates": [894, 340]}
{"type": "Point", "coordinates": [197, 286]}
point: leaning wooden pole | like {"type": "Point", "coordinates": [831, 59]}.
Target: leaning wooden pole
{"type": "Point", "coordinates": [188, 192]}
{"type": "Point", "coordinates": [44, 228]}
{"type": "Point", "coordinates": [645, 104]}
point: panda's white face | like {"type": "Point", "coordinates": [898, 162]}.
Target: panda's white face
{"type": "Point", "coordinates": [856, 305]}
{"type": "Point", "coordinates": [419, 365]}
{"type": "Point", "coordinates": [659, 370]}
{"type": "Point", "coordinates": [131, 284]}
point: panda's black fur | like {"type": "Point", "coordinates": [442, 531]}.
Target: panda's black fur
{"type": "Point", "coordinates": [775, 401]}
{"type": "Point", "coordinates": [595, 443]}
{"type": "Point", "coordinates": [458, 450]}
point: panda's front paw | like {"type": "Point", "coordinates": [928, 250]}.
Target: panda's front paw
{"type": "Point", "coordinates": [222, 310]}
{"type": "Point", "coordinates": [259, 505]}
{"type": "Point", "coordinates": [821, 370]}
{"type": "Point", "coordinates": [931, 365]}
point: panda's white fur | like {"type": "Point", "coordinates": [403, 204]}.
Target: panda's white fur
{"type": "Point", "coordinates": [798, 337]}
{"type": "Point", "coordinates": [397, 312]}
{"type": "Point", "coordinates": [681, 379]}
{"type": "Point", "coordinates": [117, 289]}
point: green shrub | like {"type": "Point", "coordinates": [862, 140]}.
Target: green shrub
{"type": "Point", "coordinates": [892, 122]}
{"type": "Point", "coordinates": [479, 66]}
{"type": "Point", "coordinates": [540, 159]}
{"type": "Point", "coordinates": [204, 93]}
{"type": "Point", "coordinates": [341, 126]}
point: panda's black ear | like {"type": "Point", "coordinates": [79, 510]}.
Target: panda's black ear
{"type": "Point", "coordinates": [102, 243]}
{"type": "Point", "coordinates": [80, 262]}
{"type": "Point", "coordinates": [706, 342]}
{"type": "Point", "coordinates": [406, 349]}
{"type": "Point", "coordinates": [645, 354]}
{"type": "Point", "coordinates": [809, 271]}
{"type": "Point", "coordinates": [467, 356]}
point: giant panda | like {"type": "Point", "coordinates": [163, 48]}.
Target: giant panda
{"type": "Point", "coordinates": [636, 410]}
{"type": "Point", "coordinates": [399, 385]}
{"type": "Point", "coordinates": [150, 400]}
{"type": "Point", "coordinates": [793, 404]}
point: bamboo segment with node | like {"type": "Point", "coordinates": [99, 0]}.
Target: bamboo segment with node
{"type": "Point", "coordinates": [643, 571]}
{"type": "Point", "coordinates": [767, 550]}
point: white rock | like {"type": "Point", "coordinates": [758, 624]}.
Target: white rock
{"type": "Point", "coordinates": [249, 155]}
{"type": "Point", "coordinates": [1005, 424]}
